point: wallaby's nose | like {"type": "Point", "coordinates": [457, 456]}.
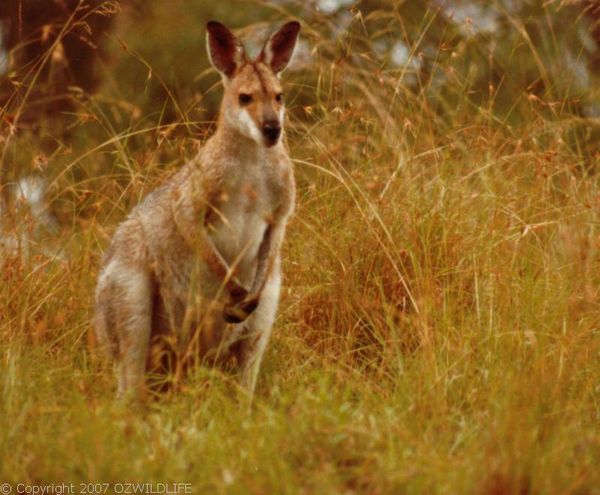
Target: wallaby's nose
{"type": "Point", "coordinates": [271, 130]}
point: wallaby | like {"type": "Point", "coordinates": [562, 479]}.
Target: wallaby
{"type": "Point", "coordinates": [198, 261]}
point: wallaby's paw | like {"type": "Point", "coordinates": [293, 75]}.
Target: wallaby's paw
{"type": "Point", "coordinates": [237, 293]}
{"type": "Point", "coordinates": [249, 305]}
{"type": "Point", "coordinates": [234, 314]}
{"type": "Point", "coordinates": [240, 312]}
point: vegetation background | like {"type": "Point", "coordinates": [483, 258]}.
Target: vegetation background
{"type": "Point", "coordinates": [439, 329]}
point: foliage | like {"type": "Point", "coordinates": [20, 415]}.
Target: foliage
{"type": "Point", "coordinates": [439, 327]}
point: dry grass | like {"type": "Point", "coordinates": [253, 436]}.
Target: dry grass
{"type": "Point", "coordinates": [439, 330]}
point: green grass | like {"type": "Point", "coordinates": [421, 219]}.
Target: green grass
{"type": "Point", "coordinates": [439, 329]}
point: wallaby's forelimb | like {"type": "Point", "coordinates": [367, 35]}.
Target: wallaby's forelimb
{"type": "Point", "coordinates": [267, 256]}
{"type": "Point", "coordinates": [201, 242]}
{"type": "Point", "coordinates": [219, 266]}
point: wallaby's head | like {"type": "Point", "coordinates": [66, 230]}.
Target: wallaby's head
{"type": "Point", "coordinates": [253, 101]}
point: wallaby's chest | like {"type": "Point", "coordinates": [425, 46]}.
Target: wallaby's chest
{"type": "Point", "coordinates": [245, 208]}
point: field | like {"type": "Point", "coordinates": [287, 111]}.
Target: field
{"type": "Point", "coordinates": [439, 328]}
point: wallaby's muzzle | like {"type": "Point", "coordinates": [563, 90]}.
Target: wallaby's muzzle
{"type": "Point", "coordinates": [271, 130]}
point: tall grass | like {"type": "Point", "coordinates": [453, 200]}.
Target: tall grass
{"type": "Point", "coordinates": [439, 326]}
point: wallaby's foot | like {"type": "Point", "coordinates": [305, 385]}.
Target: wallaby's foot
{"type": "Point", "coordinates": [238, 313]}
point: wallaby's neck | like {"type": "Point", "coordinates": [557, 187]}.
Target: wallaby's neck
{"type": "Point", "coordinates": [236, 143]}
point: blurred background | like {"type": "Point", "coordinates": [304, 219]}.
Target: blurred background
{"type": "Point", "coordinates": [70, 69]}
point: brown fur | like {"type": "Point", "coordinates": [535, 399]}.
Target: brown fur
{"type": "Point", "coordinates": [196, 264]}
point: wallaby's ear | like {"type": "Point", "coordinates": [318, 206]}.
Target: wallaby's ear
{"type": "Point", "coordinates": [225, 51]}
{"type": "Point", "coordinates": [278, 49]}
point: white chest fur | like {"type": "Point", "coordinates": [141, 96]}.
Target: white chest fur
{"type": "Point", "coordinates": [242, 221]}
{"type": "Point", "coordinates": [237, 236]}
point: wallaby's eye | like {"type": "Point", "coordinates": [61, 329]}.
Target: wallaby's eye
{"type": "Point", "coordinates": [279, 97]}
{"type": "Point", "coordinates": [245, 99]}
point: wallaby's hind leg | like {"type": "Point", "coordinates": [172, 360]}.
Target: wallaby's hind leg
{"type": "Point", "coordinates": [257, 331]}
{"type": "Point", "coordinates": [124, 322]}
